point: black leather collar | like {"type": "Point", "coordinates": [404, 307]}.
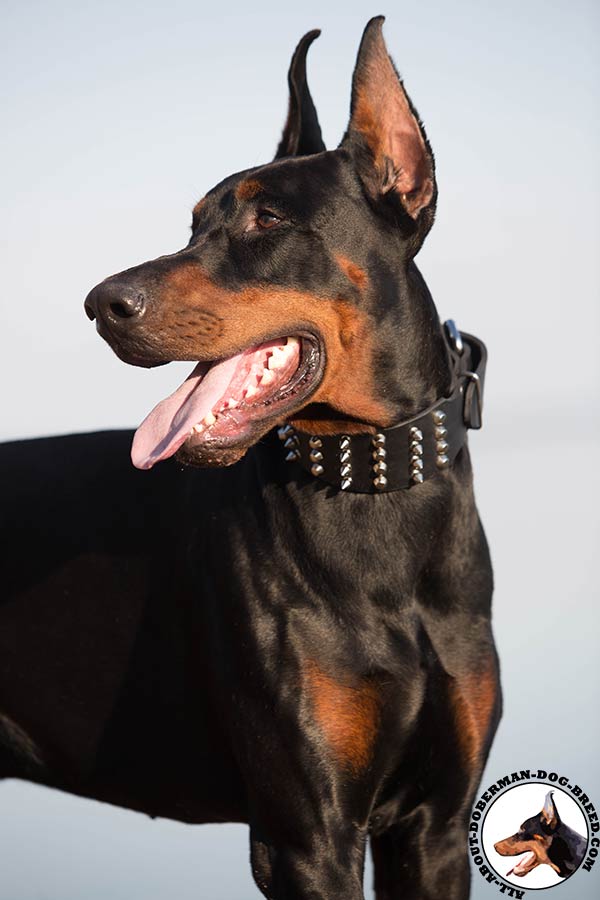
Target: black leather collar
{"type": "Point", "coordinates": [406, 454]}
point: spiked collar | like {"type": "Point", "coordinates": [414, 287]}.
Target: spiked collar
{"type": "Point", "coordinates": [410, 452]}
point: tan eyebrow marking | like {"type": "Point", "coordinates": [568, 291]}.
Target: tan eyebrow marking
{"type": "Point", "coordinates": [248, 189]}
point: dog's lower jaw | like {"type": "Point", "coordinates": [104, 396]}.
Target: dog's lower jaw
{"type": "Point", "coordinates": [210, 457]}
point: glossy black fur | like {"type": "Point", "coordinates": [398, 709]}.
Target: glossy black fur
{"type": "Point", "coordinates": [156, 627]}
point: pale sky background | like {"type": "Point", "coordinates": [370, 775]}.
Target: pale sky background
{"type": "Point", "coordinates": [117, 117]}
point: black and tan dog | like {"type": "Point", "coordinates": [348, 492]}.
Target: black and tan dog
{"type": "Point", "coordinates": [546, 840]}
{"type": "Point", "coordinates": [302, 641]}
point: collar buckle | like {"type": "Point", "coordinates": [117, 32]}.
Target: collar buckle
{"type": "Point", "coordinates": [454, 337]}
{"type": "Point", "coordinates": [473, 401]}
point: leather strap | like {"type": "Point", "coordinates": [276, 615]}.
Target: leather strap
{"type": "Point", "coordinates": [410, 452]}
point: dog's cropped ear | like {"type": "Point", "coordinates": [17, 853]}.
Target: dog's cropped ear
{"type": "Point", "coordinates": [550, 812]}
{"type": "Point", "coordinates": [302, 132]}
{"type": "Point", "coordinates": [385, 134]}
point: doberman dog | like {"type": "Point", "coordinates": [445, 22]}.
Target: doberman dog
{"type": "Point", "coordinates": [546, 840]}
{"type": "Point", "coordinates": [300, 641]}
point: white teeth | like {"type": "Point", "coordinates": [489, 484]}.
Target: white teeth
{"type": "Point", "coordinates": [209, 419]}
{"type": "Point", "coordinates": [251, 392]}
{"type": "Point", "coordinates": [280, 354]}
{"type": "Point", "coordinates": [228, 404]}
{"type": "Point", "coordinates": [292, 340]}
{"type": "Point", "coordinates": [277, 359]}
{"type": "Point", "coordinates": [267, 376]}
{"type": "Point", "coordinates": [198, 428]}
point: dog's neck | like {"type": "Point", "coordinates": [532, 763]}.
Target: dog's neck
{"type": "Point", "coordinates": [424, 367]}
{"type": "Point", "coordinates": [409, 362]}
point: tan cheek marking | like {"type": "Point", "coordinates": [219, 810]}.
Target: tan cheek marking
{"type": "Point", "coordinates": [248, 189]}
{"type": "Point", "coordinates": [356, 275]}
{"type": "Point", "coordinates": [245, 315]}
{"type": "Point", "coordinates": [510, 846]}
{"type": "Point", "coordinates": [473, 698]}
{"type": "Point", "coordinates": [540, 852]}
{"type": "Point", "coordinates": [347, 716]}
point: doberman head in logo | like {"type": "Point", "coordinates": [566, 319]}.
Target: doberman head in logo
{"type": "Point", "coordinates": [545, 840]}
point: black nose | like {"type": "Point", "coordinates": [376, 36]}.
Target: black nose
{"type": "Point", "coordinates": [115, 303]}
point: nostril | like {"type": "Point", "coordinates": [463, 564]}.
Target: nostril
{"type": "Point", "coordinates": [120, 311]}
{"type": "Point", "coordinates": [113, 303]}
{"type": "Point", "coordinates": [127, 306]}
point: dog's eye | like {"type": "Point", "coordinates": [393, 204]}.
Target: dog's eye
{"type": "Point", "coordinates": [267, 219]}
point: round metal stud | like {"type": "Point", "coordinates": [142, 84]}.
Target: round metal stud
{"type": "Point", "coordinates": [291, 442]}
{"type": "Point", "coordinates": [416, 434]}
{"type": "Point", "coordinates": [346, 482]}
{"type": "Point", "coordinates": [442, 461]}
{"type": "Point", "coordinates": [416, 448]}
{"type": "Point", "coordinates": [344, 442]}
{"type": "Point", "coordinates": [417, 478]}
{"type": "Point", "coordinates": [380, 466]}
{"type": "Point", "coordinates": [345, 456]}
{"type": "Point", "coordinates": [441, 433]}
{"type": "Point", "coordinates": [316, 456]}
{"type": "Point", "coordinates": [317, 469]}
{"type": "Point", "coordinates": [441, 447]}
{"type": "Point", "coordinates": [284, 432]}
{"type": "Point", "coordinates": [315, 442]}
{"type": "Point", "coordinates": [378, 453]}
{"type": "Point", "coordinates": [416, 463]}
{"type": "Point", "coordinates": [439, 416]}
{"type": "Point", "coordinates": [292, 456]}
{"type": "Point", "coordinates": [346, 471]}
{"type": "Point", "coordinates": [378, 440]}
{"type": "Point", "coordinates": [380, 482]}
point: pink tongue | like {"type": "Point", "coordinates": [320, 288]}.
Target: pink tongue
{"type": "Point", "coordinates": [521, 864]}
{"type": "Point", "coordinates": [167, 427]}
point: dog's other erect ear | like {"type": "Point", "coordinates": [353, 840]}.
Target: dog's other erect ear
{"type": "Point", "coordinates": [550, 812]}
{"type": "Point", "coordinates": [301, 133]}
{"type": "Point", "coordinates": [385, 135]}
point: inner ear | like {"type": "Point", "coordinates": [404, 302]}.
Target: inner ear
{"type": "Point", "coordinates": [302, 132]}
{"type": "Point", "coordinates": [385, 133]}
{"type": "Point", "coordinates": [549, 811]}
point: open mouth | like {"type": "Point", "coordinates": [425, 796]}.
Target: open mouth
{"type": "Point", "coordinates": [525, 864]}
{"type": "Point", "coordinates": [222, 403]}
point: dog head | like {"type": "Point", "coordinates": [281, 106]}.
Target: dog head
{"type": "Point", "coordinates": [534, 838]}
{"type": "Point", "coordinates": [296, 296]}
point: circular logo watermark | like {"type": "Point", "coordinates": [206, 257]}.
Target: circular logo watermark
{"type": "Point", "coordinates": [532, 830]}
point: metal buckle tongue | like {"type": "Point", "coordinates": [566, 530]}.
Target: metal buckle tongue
{"type": "Point", "coordinates": [454, 337]}
{"type": "Point", "coordinates": [473, 405]}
